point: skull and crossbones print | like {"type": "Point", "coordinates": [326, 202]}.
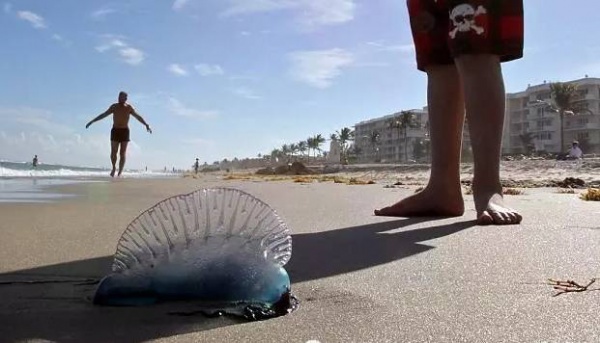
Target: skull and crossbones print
{"type": "Point", "coordinates": [463, 18]}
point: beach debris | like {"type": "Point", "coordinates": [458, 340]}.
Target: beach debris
{"type": "Point", "coordinates": [295, 168]}
{"type": "Point", "coordinates": [512, 191]}
{"type": "Point", "coordinates": [570, 286]}
{"type": "Point", "coordinates": [571, 182]}
{"type": "Point", "coordinates": [419, 189]}
{"type": "Point", "coordinates": [220, 248]}
{"type": "Point", "coordinates": [565, 191]}
{"type": "Point", "coordinates": [356, 181]}
{"type": "Point", "coordinates": [592, 194]}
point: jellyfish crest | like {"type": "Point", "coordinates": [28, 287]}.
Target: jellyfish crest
{"type": "Point", "coordinates": [204, 225]}
{"type": "Point", "coordinates": [217, 245]}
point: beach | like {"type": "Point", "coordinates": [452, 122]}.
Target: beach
{"type": "Point", "coordinates": [359, 278]}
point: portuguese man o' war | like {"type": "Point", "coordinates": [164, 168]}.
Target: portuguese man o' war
{"type": "Point", "coordinates": [220, 247]}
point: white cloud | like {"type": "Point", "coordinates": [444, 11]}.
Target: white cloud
{"type": "Point", "coordinates": [102, 13]}
{"type": "Point", "coordinates": [309, 13]}
{"type": "Point", "coordinates": [380, 46]}
{"type": "Point", "coordinates": [246, 93]}
{"type": "Point", "coordinates": [207, 69]}
{"type": "Point", "coordinates": [177, 108]}
{"type": "Point", "coordinates": [332, 12]}
{"type": "Point", "coordinates": [7, 7]}
{"type": "Point", "coordinates": [131, 55]}
{"type": "Point", "coordinates": [179, 4]}
{"type": "Point", "coordinates": [126, 53]}
{"type": "Point", "coordinates": [178, 70]}
{"type": "Point", "coordinates": [57, 37]}
{"type": "Point", "coordinates": [34, 19]}
{"type": "Point", "coordinates": [31, 131]}
{"type": "Point", "coordinates": [319, 68]}
{"type": "Point", "coordinates": [239, 7]}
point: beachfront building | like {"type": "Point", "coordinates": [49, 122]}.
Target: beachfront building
{"type": "Point", "coordinates": [391, 145]}
{"type": "Point", "coordinates": [378, 140]}
{"type": "Point", "coordinates": [531, 124]}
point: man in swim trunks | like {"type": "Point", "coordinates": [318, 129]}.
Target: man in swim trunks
{"type": "Point", "coordinates": [460, 44]}
{"type": "Point", "coordinates": [119, 135]}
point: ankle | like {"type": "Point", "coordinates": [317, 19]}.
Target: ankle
{"type": "Point", "coordinates": [487, 186]}
{"type": "Point", "coordinates": [444, 187]}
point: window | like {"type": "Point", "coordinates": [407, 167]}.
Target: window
{"type": "Point", "coordinates": [583, 135]}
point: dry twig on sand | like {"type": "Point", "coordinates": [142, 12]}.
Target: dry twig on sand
{"type": "Point", "coordinates": [570, 286]}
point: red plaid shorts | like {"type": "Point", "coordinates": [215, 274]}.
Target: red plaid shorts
{"type": "Point", "coordinates": [445, 29]}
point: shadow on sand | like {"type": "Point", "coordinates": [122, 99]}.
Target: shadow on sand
{"type": "Point", "coordinates": [62, 312]}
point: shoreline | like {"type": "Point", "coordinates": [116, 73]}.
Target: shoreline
{"type": "Point", "coordinates": [514, 174]}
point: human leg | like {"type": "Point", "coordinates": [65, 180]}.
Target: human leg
{"type": "Point", "coordinates": [114, 146]}
{"type": "Point", "coordinates": [443, 195]}
{"type": "Point", "coordinates": [485, 103]}
{"type": "Point", "coordinates": [122, 154]}
{"type": "Point", "coordinates": [483, 34]}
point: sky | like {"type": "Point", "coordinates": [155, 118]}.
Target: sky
{"type": "Point", "coordinates": [221, 79]}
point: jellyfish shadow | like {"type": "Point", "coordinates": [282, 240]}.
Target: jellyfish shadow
{"type": "Point", "coordinates": [52, 302]}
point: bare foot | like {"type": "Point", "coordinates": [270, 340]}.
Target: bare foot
{"type": "Point", "coordinates": [428, 203]}
{"type": "Point", "coordinates": [491, 210]}
{"type": "Point", "coordinates": [112, 173]}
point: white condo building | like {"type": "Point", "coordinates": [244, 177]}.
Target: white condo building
{"type": "Point", "coordinates": [528, 112]}
{"type": "Point", "coordinates": [390, 146]}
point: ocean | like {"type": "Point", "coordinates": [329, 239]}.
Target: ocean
{"type": "Point", "coordinates": [21, 182]}
{"type": "Point", "coordinates": [26, 170]}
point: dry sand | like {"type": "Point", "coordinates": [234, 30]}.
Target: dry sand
{"type": "Point", "coordinates": [360, 278]}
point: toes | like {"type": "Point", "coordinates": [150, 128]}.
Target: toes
{"type": "Point", "coordinates": [499, 218]}
{"type": "Point", "coordinates": [383, 211]}
{"type": "Point", "coordinates": [485, 219]}
{"type": "Point", "coordinates": [519, 217]}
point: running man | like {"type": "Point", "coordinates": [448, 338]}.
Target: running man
{"type": "Point", "coordinates": [119, 135]}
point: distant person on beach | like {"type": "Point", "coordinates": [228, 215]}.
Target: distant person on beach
{"type": "Point", "coordinates": [575, 152]}
{"type": "Point", "coordinates": [119, 135]}
{"type": "Point", "coordinates": [460, 44]}
{"type": "Point", "coordinates": [196, 166]}
{"type": "Point", "coordinates": [35, 161]}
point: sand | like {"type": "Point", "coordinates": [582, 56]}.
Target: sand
{"type": "Point", "coordinates": [360, 278]}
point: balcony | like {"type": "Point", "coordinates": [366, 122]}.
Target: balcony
{"type": "Point", "coordinates": [588, 126]}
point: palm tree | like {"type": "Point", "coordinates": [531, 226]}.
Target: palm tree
{"type": "Point", "coordinates": [302, 147]}
{"type": "Point", "coordinates": [345, 135]}
{"type": "Point", "coordinates": [310, 141]}
{"type": "Point", "coordinates": [527, 141]}
{"type": "Point", "coordinates": [374, 140]}
{"type": "Point", "coordinates": [293, 149]}
{"type": "Point", "coordinates": [319, 139]}
{"type": "Point", "coordinates": [564, 94]}
{"type": "Point", "coordinates": [395, 124]}
{"type": "Point", "coordinates": [407, 120]}
{"type": "Point", "coordinates": [285, 150]}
